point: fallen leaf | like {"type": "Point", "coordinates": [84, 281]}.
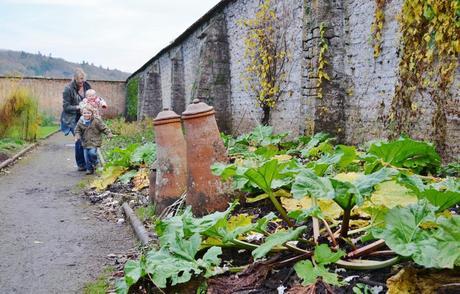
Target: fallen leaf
{"type": "Point", "coordinates": [108, 177]}
{"type": "Point", "coordinates": [329, 208]}
{"type": "Point", "coordinates": [141, 179]}
{"type": "Point", "coordinates": [422, 281]}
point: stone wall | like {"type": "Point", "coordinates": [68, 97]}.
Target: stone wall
{"type": "Point", "coordinates": [207, 61]}
{"type": "Point", "coordinates": [48, 92]}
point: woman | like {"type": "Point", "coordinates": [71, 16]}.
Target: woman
{"type": "Point", "coordinates": [73, 94]}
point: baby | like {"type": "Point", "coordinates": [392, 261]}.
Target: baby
{"type": "Point", "coordinates": [93, 101]}
{"type": "Point", "coordinates": [89, 130]}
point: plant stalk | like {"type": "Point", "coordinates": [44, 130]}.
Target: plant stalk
{"type": "Point", "coordinates": [366, 249]}
{"type": "Point", "coordinates": [280, 208]}
{"type": "Point", "coordinates": [315, 221]}
{"type": "Point", "coordinates": [345, 223]}
{"type": "Point", "coordinates": [328, 229]}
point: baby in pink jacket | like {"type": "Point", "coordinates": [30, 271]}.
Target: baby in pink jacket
{"type": "Point", "coordinates": [95, 102]}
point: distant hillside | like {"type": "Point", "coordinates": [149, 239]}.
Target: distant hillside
{"type": "Point", "coordinates": [27, 64]}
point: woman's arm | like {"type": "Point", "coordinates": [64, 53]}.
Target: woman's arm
{"type": "Point", "coordinates": [67, 101]}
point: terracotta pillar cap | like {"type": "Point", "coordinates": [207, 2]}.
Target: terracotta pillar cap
{"type": "Point", "coordinates": [197, 107]}
{"type": "Point", "coordinates": [166, 116]}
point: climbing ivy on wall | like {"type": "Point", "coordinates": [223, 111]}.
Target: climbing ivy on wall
{"type": "Point", "coordinates": [431, 46]}
{"type": "Point", "coordinates": [132, 89]}
{"type": "Point", "coordinates": [266, 56]}
{"type": "Point", "coordinates": [322, 62]}
{"type": "Point", "coordinates": [377, 26]}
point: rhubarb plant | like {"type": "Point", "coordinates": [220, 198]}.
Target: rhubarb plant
{"type": "Point", "coordinates": [346, 194]}
{"type": "Point", "coordinates": [416, 231]}
{"type": "Point", "coordinates": [443, 194]}
{"type": "Point", "coordinates": [403, 153]}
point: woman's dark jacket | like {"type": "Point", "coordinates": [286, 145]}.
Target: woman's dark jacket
{"type": "Point", "coordinates": [70, 113]}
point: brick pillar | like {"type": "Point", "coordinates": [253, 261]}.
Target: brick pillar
{"type": "Point", "coordinates": [153, 102]}
{"type": "Point", "coordinates": [177, 82]}
{"type": "Point", "coordinates": [213, 80]}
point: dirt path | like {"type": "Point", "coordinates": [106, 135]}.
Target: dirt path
{"type": "Point", "coordinates": [50, 242]}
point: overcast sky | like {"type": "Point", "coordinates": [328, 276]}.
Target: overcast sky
{"type": "Point", "coordinates": [122, 34]}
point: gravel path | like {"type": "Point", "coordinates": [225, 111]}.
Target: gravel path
{"type": "Point", "coordinates": [50, 242]}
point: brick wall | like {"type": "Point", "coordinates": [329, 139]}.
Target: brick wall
{"type": "Point", "coordinates": [356, 101]}
{"type": "Point", "coordinates": [48, 92]}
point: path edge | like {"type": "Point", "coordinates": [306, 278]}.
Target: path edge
{"type": "Point", "coordinates": [11, 160]}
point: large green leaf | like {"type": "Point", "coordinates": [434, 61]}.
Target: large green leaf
{"type": "Point", "coordinates": [443, 194]}
{"type": "Point", "coordinates": [416, 232]}
{"type": "Point", "coordinates": [276, 239]}
{"type": "Point", "coordinates": [263, 136]}
{"type": "Point", "coordinates": [121, 286]}
{"type": "Point", "coordinates": [134, 270]}
{"type": "Point", "coordinates": [121, 156]}
{"type": "Point", "coordinates": [308, 183]}
{"type": "Point", "coordinates": [313, 142]}
{"type": "Point", "coordinates": [163, 265]}
{"type": "Point", "coordinates": [144, 154]}
{"type": "Point", "coordinates": [346, 195]}
{"type": "Point", "coordinates": [340, 159]}
{"type": "Point", "coordinates": [366, 183]}
{"type": "Point", "coordinates": [210, 260]}
{"type": "Point", "coordinates": [186, 249]}
{"type": "Point", "coordinates": [407, 153]}
{"type": "Point", "coordinates": [441, 199]}
{"type": "Point", "coordinates": [225, 171]}
{"type": "Point", "coordinates": [186, 225]}
{"type": "Point", "coordinates": [264, 175]}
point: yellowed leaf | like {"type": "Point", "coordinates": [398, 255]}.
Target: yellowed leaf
{"type": "Point", "coordinates": [359, 223]}
{"type": "Point", "coordinates": [391, 194]}
{"type": "Point", "coordinates": [282, 157]}
{"type": "Point", "coordinates": [108, 177]}
{"type": "Point", "coordinates": [141, 179]}
{"type": "Point", "coordinates": [421, 281]}
{"type": "Point", "coordinates": [277, 193]}
{"type": "Point", "coordinates": [329, 208]}
{"type": "Point", "coordinates": [347, 177]}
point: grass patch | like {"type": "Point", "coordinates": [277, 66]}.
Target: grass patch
{"type": "Point", "coordinates": [44, 131]}
{"type": "Point", "coordinates": [11, 146]}
{"type": "Point", "coordinates": [100, 285]}
{"type": "Point", "coordinates": [82, 184]}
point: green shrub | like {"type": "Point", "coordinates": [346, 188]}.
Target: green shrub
{"type": "Point", "coordinates": [132, 99]}
{"type": "Point", "coordinates": [48, 120]}
{"type": "Point", "coordinates": [19, 116]}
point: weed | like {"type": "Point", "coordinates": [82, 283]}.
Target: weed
{"type": "Point", "coordinates": [100, 285]}
{"type": "Point", "coordinates": [146, 213]}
